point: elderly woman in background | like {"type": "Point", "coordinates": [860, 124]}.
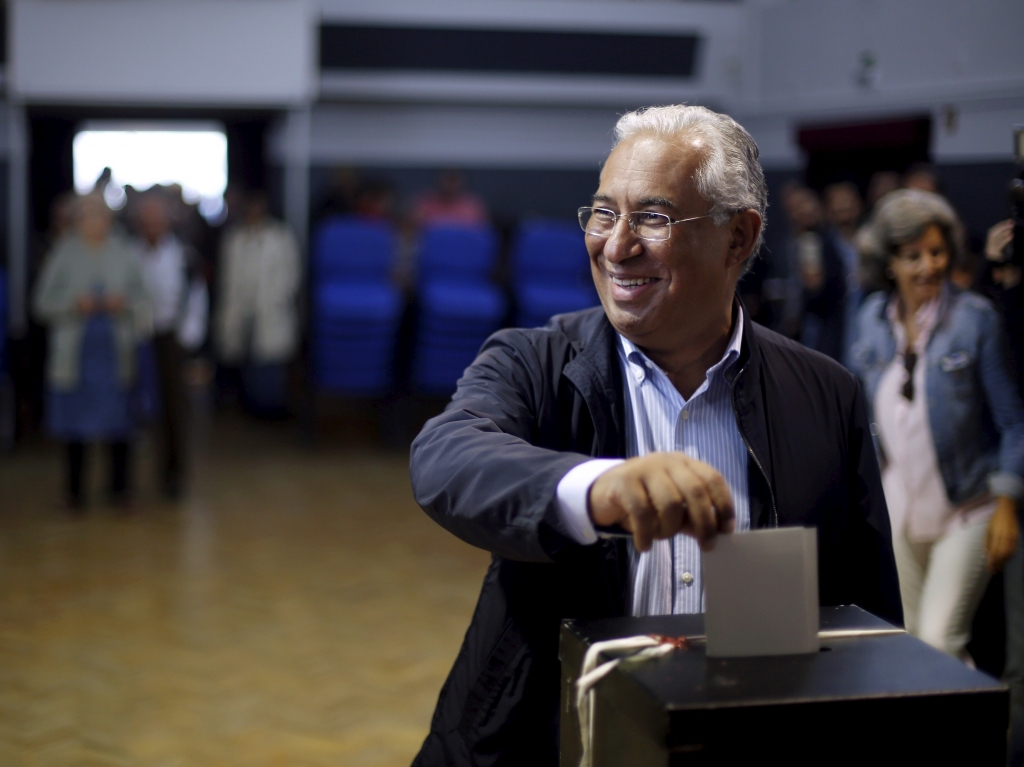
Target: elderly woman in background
{"type": "Point", "coordinates": [949, 422]}
{"type": "Point", "coordinates": [91, 295]}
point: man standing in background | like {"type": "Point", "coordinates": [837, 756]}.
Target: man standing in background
{"type": "Point", "coordinates": [179, 321]}
{"type": "Point", "coordinates": [257, 316]}
{"type": "Point", "coordinates": [843, 210]}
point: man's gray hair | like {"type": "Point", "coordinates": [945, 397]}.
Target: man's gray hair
{"type": "Point", "coordinates": [729, 175]}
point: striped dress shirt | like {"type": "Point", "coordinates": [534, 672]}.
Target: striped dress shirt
{"type": "Point", "coordinates": [667, 579]}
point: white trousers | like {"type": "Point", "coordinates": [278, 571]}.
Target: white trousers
{"type": "Point", "coordinates": [941, 584]}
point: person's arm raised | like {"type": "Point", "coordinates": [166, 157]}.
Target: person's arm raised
{"type": "Point", "coordinates": [475, 468]}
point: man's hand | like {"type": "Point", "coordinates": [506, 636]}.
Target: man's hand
{"type": "Point", "coordinates": [1001, 535]}
{"type": "Point", "coordinates": [661, 494]}
{"type": "Point", "coordinates": [999, 236]}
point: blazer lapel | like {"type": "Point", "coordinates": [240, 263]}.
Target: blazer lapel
{"type": "Point", "coordinates": [749, 406]}
{"type": "Point", "coordinates": [596, 376]}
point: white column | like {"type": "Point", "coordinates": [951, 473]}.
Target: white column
{"type": "Point", "coordinates": [17, 219]}
{"type": "Point", "coordinates": [296, 172]}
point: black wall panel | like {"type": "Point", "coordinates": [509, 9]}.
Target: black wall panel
{"type": "Point", "coordinates": [503, 50]}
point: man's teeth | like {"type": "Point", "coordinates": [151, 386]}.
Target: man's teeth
{"type": "Point", "coordinates": [633, 282]}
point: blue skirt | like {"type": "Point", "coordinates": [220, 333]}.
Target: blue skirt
{"type": "Point", "coordinates": [99, 407]}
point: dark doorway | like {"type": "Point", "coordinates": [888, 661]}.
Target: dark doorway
{"type": "Point", "coordinates": [50, 164]}
{"type": "Point", "coordinates": [247, 167]}
{"type": "Point", "coordinates": [855, 151]}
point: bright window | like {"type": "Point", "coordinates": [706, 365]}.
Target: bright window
{"type": "Point", "coordinates": [194, 156]}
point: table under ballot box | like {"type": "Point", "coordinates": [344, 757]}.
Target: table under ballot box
{"type": "Point", "coordinates": [871, 695]}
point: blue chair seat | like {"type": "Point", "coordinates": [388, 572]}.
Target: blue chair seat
{"type": "Point", "coordinates": [479, 302]}
{"type": "Point", "coordinates": [445, 341]}
{"type": "Point", "coordinates": [344, 332]}
{"type": "Point", "coordinates": [547, 300]}
{"type": "Point", "coordinates": [362, 301]}
{"type": "Point", "coordinates": [350, 249]}
{"type": "Point", "coordinates": [343, 359]}
{"type": "Point", "coordinates": [468, 251]}
{"type": "Point", "coordinates": [462, 332]}
{"type": "Point", "coordinates": [365, 383]}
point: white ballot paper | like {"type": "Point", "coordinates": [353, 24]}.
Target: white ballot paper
{"type": "Point", "coordinates": [761, 593]}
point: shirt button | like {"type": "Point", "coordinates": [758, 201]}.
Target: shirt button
{"type": "Point", "coordinates": [687, 578]}
{"type": "Point", "coordinates": [685, 415]}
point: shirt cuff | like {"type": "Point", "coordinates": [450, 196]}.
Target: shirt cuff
{"type": "Point", "coordinates": [999, 483]}
{"type": "Point", "coordinates": [572, 492]}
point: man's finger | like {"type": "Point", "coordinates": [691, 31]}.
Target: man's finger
{"type": "Point", "coordinates": [721, 497]}
{"type": "Point", "coordinates": [704, 519]}
{"type": "Point", "coordinates": [668, 502]}
{"type": "Point", "coordinates": [632, 496]}
{"type": "Point", "coordinates": [701, 517]}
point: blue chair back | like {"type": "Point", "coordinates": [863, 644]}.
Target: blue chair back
{"type": "Point", "coordinates": [549, 251]}
{"type": "Point", "coordinates": [352, 250]}
{"type": "Point", "coordinates": [457, 253]}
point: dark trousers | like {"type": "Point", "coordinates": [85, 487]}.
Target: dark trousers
{"type": "Point", "coordinates": [119, 475]}
{"type": "Point", "coordinates": [169, 361]}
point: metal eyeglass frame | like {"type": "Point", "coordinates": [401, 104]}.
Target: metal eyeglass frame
{"type": "Point", "coordinates": [631, 223]}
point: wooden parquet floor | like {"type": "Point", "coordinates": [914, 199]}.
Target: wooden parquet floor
{"type": "Point", "coordinates": [296, 609]}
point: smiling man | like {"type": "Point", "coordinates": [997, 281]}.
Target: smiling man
{"type": "Point", "coordinates": [665, 412]}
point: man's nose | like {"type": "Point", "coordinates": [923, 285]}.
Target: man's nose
{"type": "Point", "coordinates": [621, 243]}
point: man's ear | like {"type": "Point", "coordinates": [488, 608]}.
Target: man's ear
{"type": "Point", "coordinates": [744, 229]}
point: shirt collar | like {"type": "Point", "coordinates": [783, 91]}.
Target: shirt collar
{"type": "Point", "coordinates": [640, 366]}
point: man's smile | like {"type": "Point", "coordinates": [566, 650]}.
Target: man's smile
{"type": "Point", "coordinates": [631, 282]}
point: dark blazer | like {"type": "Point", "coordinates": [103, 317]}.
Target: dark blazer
{"type": "Point", "coordinates": [536, 403]}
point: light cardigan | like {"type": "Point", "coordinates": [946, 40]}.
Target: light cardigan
{"type": "Point", "coordinates": [72, 271]}
{"type": "Point", "coordinates": [257, 316]}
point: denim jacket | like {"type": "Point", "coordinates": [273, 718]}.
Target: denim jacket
{"type": "Point", "coordinates": [975, 414]}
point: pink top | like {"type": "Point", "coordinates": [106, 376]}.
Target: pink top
{"type": "Point", "coordinates": [914, 490]}
{"type": "Point", "coordinates": [432, 208]}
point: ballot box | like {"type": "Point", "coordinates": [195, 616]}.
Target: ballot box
{"type": "Point", "coordinates": [870, 696]}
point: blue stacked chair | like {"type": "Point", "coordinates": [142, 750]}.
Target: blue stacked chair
{"type": "Point", "coordinates": [459, 303]}
{"type": "Point", "coordinates": [551, 272]}
{"type": "Point", "coordinates": [356, 308]}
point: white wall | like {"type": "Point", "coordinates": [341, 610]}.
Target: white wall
{"type": "Point", "coordinates": [228, 52]}
{"type": "Point", "coordinates": [464, 135]}
{"type": "Point", "coordinates": [976, 135]}
{"type": "Point", "coordinates": [932, 57]}
{"type": "Point", "coordinates": [926, 50]}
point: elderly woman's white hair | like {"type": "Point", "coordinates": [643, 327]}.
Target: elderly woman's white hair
{"type": "Point", "coordinates": [903, 216]}
{"type": "Point", "coordinates": [729, 175]}
{"type": "Point", "coordinates": [91, 202]}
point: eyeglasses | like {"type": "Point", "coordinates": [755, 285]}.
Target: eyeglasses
{"type": "Point", "coordinates": [645, 224]}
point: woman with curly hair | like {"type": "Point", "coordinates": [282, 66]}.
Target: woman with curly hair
{"type": "Point", "coordinates": [947, 417]}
